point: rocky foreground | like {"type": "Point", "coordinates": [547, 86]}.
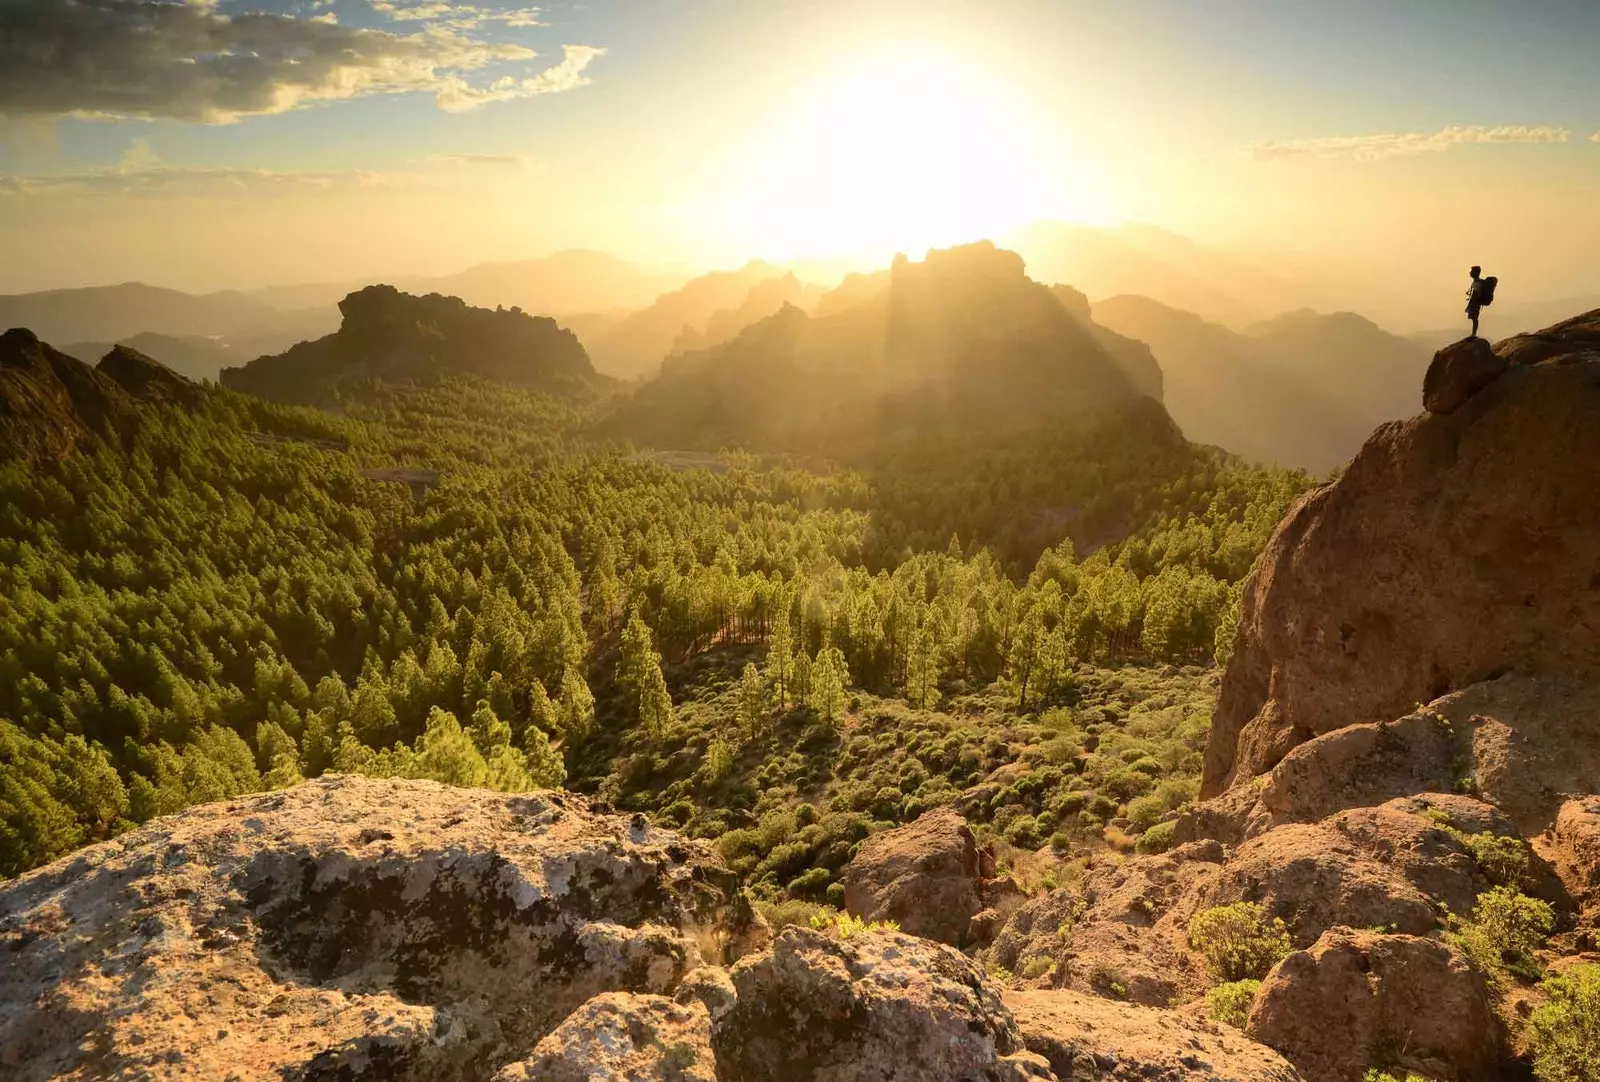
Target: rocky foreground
{"type": "Point", "coordinates": [351, 928]}
{"type": "Point", "coordinates": [1410, 725]}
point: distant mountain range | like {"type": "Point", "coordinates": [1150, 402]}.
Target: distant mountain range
{"type": "Point", "coordinates": [1303, 389]}
{"type": "Point", "coordinates": [962, 341]}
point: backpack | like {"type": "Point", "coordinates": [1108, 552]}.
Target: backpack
{"type": "Point", "coordinates": [1486, 291]}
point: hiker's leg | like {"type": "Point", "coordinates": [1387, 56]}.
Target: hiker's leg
{"type": "Point", "coordinates": [1474, 324]}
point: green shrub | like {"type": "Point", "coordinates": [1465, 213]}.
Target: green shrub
{"type": "Point", "coordinates": [1503, 860]}
{"type": "Point", "coordinates": [1229, 1003]}
{"type": "Point", "coordinates": [844, 926]}
{"type": "Point", "coordinates": [1239, 942]}
{"type": "Point", "coordinates": [1158, 839]}
{"type": "Point", "coordinates": [1023, 832]}
{"type": "Point", "coordinates": [1564, 1031]}
{"type": "Point", "coordinates": [1145, 811]}
{"type": "Point", "coordinates": [1506, 928]}
{"type": "Point", "coordinates": [1108, 980]}
{"type": "Point", "coordinates": [1375, 1075]}
{"type": "Point", "coordinates": [1036, 966]}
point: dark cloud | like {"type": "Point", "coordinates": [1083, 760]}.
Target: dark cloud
{"type": "Point", "coordinates": [189, 61]}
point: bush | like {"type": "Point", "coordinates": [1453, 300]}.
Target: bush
{"type": "Point", "coordinates": [1238, 941]}
{"type": "Point", "coordinates": [1145, 811]}
{"type": "Point", "coordinates": [1229, 1003]}
{"type": "Point", "coordinates": [844, 926]}
{"type": "Point", "coordinates": [1564, 1032]}
{"type": "Point", "coordinates": [1158, 839]}
{"type": "Point", "coordinates": [1506, 928]}
{"type": "Point", "coordinates": [1036, 966]}
{"type": "Point", "coordinates": [1503, 860]}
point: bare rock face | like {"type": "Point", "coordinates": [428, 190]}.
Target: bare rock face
{"type": "Point", "coordinates": [1360, 998]}
{"type": "Point", "coordinates": [1314, 879]}
{"type": "Point", "coordinates": [1455, 548]}
{"type": "Point", "coordinates": [146, 378]}
{"type": "Point", "coordinates": [347, 928]}
{"type": "Point", "coordinates": [625, 1037]}
{"type": "Point", "coordinates": [876, 1007]}
{"type": "Point", "coordinates": [1087, 1039]}
{"type": "Point", "coordinates": [1459, 371]}
{"type": "Point", "coordinates": [924, 876]}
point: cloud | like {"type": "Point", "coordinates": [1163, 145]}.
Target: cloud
{"type": "Point", "coordinates": [456, 15]}
{"type": "Point", "coordinates": [1396, 144]}
{"type": "Point", "coordinates": [512, 161]}
{"type": "Point", "coordinates": [1595, 138]}
{"type": "Point", "coordinates": [191, 181]}
{"type": "Point", "coordinates": [457, 95]}
{"type": "Point", "coordinates": [148, 59]}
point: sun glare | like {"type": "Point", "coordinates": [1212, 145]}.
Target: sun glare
{"type": "Point", "coordinates": [894, 154]}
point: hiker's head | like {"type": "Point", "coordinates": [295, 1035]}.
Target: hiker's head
{"type": "Point", "coordinates": [1476, 271]}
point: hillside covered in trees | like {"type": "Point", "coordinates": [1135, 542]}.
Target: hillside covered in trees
{"type": "Point", "coordinates": [220, 598]}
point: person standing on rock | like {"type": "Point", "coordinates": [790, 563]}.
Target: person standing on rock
{"type": "Point", "coordinates": [1480, 294]}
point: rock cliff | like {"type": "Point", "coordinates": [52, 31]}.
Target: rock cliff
{"type": "Point", "coordinates": [1457, 547]}
{"type": "Point", "coordinates": [51, 403]}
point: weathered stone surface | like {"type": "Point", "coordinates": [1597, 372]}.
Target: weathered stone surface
{"type": "Point", "coordinates": [1459, 371]}
{"type": "Point", "coordinates": [1576, 839]}
{"type": "Point", "coordinates": [1088, 1039]}
{"type": "Point", "coordinates": [1314, 878]}
{"type": "Point", "coordinates": [1359, 998]}
{"type": "Point", "coordinates": [346, 928]}
{"type": "Point", "coordinates": [622, 1037]}
{"type": "Point", "coordinates": [876, 1007]}
{"type": "Point", "coordinates": [1356, 766]}
{"type": "Point", "coordinates": [1454, 548]}
{"type": "Point", "coordinates": [924, 876]}
{"type": "Point", "coordinates": [1115, 933]}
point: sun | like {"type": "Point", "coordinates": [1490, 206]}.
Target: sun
{"type": "Point", "coordinates": [894, 153]}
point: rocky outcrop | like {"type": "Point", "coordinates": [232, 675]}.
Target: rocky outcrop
{"type": "Point", "coordinates": [145, 378]}
{"type": "Point", "coordinates": [884, 1006]}
{"type": "Point", "coordinates": [924, 876]}
{"type": "Point", "coordinates": [1121, 932]}
{"type": "Point", "coordinates": [1458, 372]}
{"type": "Point", "coordinates": [51, 403]}
{"type": "Point", "coordinates": [1359, 999]}
{"type": "Point", "coordinates": [394, 336]}
{"type": "Point", "coordinates": [623, 1037]}
{"type": "Point", "coordinates": [1088, 1039]}
{"type": "Point", "coordinates": [346, 928]}
{"type": "Point", "coordinates": [1455, 548]}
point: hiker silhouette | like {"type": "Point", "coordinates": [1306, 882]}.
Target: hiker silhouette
{"type": "Point", "coordinates": [1480, 294]}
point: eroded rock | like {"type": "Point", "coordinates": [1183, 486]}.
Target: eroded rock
{"type": "Point", "coordinates": [1454, 548]}
{"type": "Point", "coordinates": [1459, 371]}
{"type": "Point", "coordinates": [1358, 999]}
{"type": "Point", "coordinates": [924, 876]}
{"type": "Point", "coordinates": [621, 1037]}
{"type": "Point", "coordinates": [1087, 1039]}
{"type": "Point", "coordinates": [879, 1006]}
{"type": "Point", "coordinates": [346, 928]}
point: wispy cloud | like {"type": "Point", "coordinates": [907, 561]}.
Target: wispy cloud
{"type": "Point", "coordinates": [148, 59]}
{"type": "Point", "coordinates": [1595, 138]}
{"type": "Point", "coordinates": [457, 15]}
{"type": "Point", "coordinates": [1396, 144]}
{"type": "Point", "coordinates": [506, 161]}
{"type": "Point", "coordinates": [190, 181]}
{"type": "Point", "coordinates": [458, 95]}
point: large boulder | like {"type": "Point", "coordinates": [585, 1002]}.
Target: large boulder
{"type": "Point", "coordinates": [1089, 1039]}
{"type": "Point", "coordinates": [1362, 999]}
{"type": "Point", "coordinates": [874, 1007]}
{"type": "Point", "coordinates": [622, 1037]}
{"type": "Point", "coordinates": [1454, 548]}
{"type": "Point", "coordinates": [346, 928]}
{"type": "Point", "coordinates": [924, 876]}
{"type": "Point", "coordinates": [1459, 371]}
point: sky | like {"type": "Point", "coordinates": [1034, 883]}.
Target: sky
{"type": "Point", "coordinates": [237, 143]}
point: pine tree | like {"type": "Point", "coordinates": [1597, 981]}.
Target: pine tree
{"type": "Point", "coordinates": [829, 678]}
{"type": "Point", "coordinates": [752, 701]}
{"type": "Point", "coordinates": [577, 707]}
{"type": "Point", "coordinates": [780, 662]}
